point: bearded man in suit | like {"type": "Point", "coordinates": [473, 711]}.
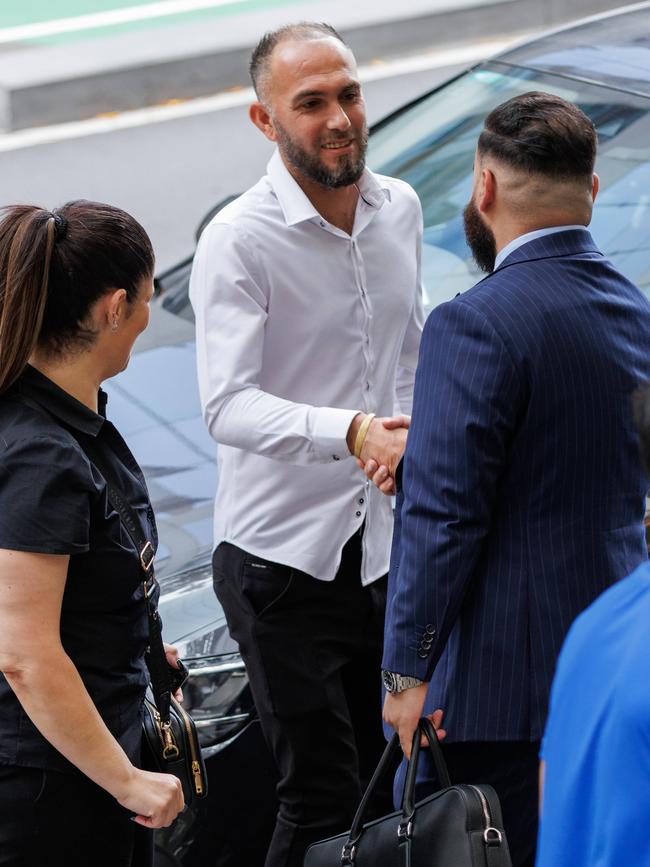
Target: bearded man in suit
{"type": "Point", "coordinates": [522, 492]}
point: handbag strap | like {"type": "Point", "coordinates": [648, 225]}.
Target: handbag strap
{"type": "Point", "coordinates": [408, 809]}
{"type": "Point", "coordinates": [157, 661]}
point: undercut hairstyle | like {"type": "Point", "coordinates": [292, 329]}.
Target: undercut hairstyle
{"type": "Point", "coordinates": [541, 134]}
{"type": "Point", "coordinates": [303, 31]}
{"type": "Point", "coordinates": [54, 265]}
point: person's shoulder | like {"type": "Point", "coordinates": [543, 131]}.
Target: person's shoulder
{"type": "Point", "coordinates": [612, 607]}
{"type": "Point", "coordinates": [31, 438]}
{"type": "Point", "coordinates": [244, 213]}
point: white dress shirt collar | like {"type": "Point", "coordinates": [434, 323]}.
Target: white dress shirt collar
{"type": "Point", "coordinates": [529, 236]}
{"type": "Point", "coordinates": [297, 207]}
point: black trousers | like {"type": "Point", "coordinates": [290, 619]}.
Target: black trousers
{"type": "Point", "coordinates": [511, 768]}
{"type": "Point", "coordinates": [48, 818]}
{"type": "Point", "coordinates": [313, 654]}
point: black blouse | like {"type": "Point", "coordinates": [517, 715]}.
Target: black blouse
{"type": "Point", "coordinates": [53, 500]}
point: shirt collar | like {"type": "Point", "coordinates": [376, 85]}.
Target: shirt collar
{"type": "Point", "coordinates": [529, 236]}
{"type": "Point", "coordinates": [296, 206]}
{"type": "Point", "coordinates": [63, 406]}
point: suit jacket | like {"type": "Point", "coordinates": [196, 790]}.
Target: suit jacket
{"type": "Point", "coordinates": [522, 493]}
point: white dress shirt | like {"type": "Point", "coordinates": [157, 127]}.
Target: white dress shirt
{"type": "Point", "coordinates": [299, 327]}
{"type": "Point", "coordinates": [529, 236]}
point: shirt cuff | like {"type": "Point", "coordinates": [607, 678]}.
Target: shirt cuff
{"type": "Point", "coordinates": [329, 432]}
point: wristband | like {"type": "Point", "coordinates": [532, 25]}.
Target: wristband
{"type": "Point", "coordinates": [361, 434]}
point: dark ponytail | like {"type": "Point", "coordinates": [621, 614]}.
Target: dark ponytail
{"type": "Point", "coordinates": [53, 267]}
{"type": "Point", "coordinates": [26, 242]}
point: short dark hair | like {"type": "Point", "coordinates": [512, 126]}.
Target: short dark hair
{"type": "Point", "coordinates": [539, 133]}
{"type": "Point", "coordinates": [54, 265]}
{"type": "Point", "coordinates": [301, 31]}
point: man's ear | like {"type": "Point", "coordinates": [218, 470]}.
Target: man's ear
{"type": "Point", "coordinates": [262, 120]}
{"type": "Point", "coordinates": [595, 187]}
{"type": "Point", "coordinates": [486, 190]}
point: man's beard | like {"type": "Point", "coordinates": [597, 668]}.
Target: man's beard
{"type": "Point", "coordinates": [349, 169]}
{"type": "Point", "coordinates": [480, 238]}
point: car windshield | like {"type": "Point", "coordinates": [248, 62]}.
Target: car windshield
{"type": "Point", "coordinates": [431, 145]}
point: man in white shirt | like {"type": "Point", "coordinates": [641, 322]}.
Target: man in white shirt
{"type": "Point", "coordinates": [308, 307]}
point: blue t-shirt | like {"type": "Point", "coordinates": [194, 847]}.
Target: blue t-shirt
{"type": "Point", "coordinates": [596, 810]}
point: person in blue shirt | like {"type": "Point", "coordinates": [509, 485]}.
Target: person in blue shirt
{"type": "Point", "coordinates": [596, 751]}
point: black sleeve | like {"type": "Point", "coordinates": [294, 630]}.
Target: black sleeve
{"type": "Point", "coordinates": [45, 496]}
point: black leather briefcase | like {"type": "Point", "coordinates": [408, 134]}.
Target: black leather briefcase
{"type": "Point", "coordinates": [457, 826]}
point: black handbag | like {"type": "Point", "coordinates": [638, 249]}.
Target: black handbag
{"type": "Point", "coordinates": [457, 826]}
{"type": "Point", "coordinates": [169, 740]}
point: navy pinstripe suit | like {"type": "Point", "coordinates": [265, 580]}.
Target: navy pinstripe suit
{"type": "Point", "coordinates": [522, 495]}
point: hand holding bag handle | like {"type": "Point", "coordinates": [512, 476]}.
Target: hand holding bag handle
{"type": "Point", "coordinates": [425, 727]}
{"type": "Point", "coordinates": [405, 829]}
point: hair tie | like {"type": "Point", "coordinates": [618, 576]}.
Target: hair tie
{"type": "Point", "coordinates": [60, 227]}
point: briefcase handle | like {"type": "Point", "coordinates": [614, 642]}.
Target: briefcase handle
{"type": "Point", "coordinates": [425, 727]}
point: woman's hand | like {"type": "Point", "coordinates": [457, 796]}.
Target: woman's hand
{"type": "Point", "coordinates": [156, 799]}
{"type": "Point", "coordinates": [171, 654]}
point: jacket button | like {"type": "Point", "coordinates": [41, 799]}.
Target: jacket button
{"type": "Point", "coordinates": [423, 654]}
{"type": "Point", "coordinates": [430, 629]}
{"type": "Point", "coordinates": [425, 644]}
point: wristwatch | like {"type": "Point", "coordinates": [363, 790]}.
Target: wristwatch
{"type": "Point", "coordinates": [394, 683]}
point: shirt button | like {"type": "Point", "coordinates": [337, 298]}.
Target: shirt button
{"type": "Point", "coordinates": [336, 458]}
{"type": "Point", "coordinates": [323, 224]}
{"type": "Point", "coordinates": [358, 514]}
{"type": "Point", "coordinates": [361, 501]}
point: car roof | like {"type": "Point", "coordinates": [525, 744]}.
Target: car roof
{"type": "Point", "coordinates": [611, 50]}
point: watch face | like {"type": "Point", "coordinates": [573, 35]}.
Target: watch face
{"type": "Point", "coordinates": [389, 681]}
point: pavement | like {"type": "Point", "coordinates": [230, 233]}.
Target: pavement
{"type": "Point", "coordinates": [124, 55]}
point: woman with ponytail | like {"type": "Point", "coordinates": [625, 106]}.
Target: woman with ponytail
{"type": "Point", "coordinates": [75, 286]}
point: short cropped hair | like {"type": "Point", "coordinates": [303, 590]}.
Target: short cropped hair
{"type": "Point", "coordinates": [300, 32]}
{"type": "Point", "coordinates": [541, 134]}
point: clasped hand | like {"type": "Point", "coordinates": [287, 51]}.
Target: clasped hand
{"type": "Point", "coordinates": [382, 451]}
{"type": "Point", "coordinates": [402, 712]}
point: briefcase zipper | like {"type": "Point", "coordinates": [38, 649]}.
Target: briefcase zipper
{"type": "Point", "coordinates": [491, 835]}
{"type": "Point", "coordinates": [196, 767]}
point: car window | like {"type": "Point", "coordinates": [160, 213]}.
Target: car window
{"type": "Point", "coordinates": [431, 145]}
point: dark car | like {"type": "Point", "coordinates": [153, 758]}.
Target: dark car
{"type": "Point", "coordinates": [602, 65]}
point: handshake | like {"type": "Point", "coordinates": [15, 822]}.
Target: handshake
{"type": "Point", "coordinates": [382, 445]}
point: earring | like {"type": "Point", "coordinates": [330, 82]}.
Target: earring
{"type": "Point", "coordinates": [114, 323]}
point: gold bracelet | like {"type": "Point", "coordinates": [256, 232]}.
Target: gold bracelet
{"type": "Point", "coordinates": [361, 434]}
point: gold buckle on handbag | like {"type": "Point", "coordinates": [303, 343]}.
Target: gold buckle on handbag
{"type": "Point", "coordinates": [146, 557]}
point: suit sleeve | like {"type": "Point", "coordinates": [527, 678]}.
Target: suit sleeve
{"type": "Point", "coordinates": [467, 400]}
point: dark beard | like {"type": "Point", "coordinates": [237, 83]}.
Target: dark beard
{"type": "Point", "coordinates": [348, 172]}
{"type": "Point", "coordinates": [480, 238]}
